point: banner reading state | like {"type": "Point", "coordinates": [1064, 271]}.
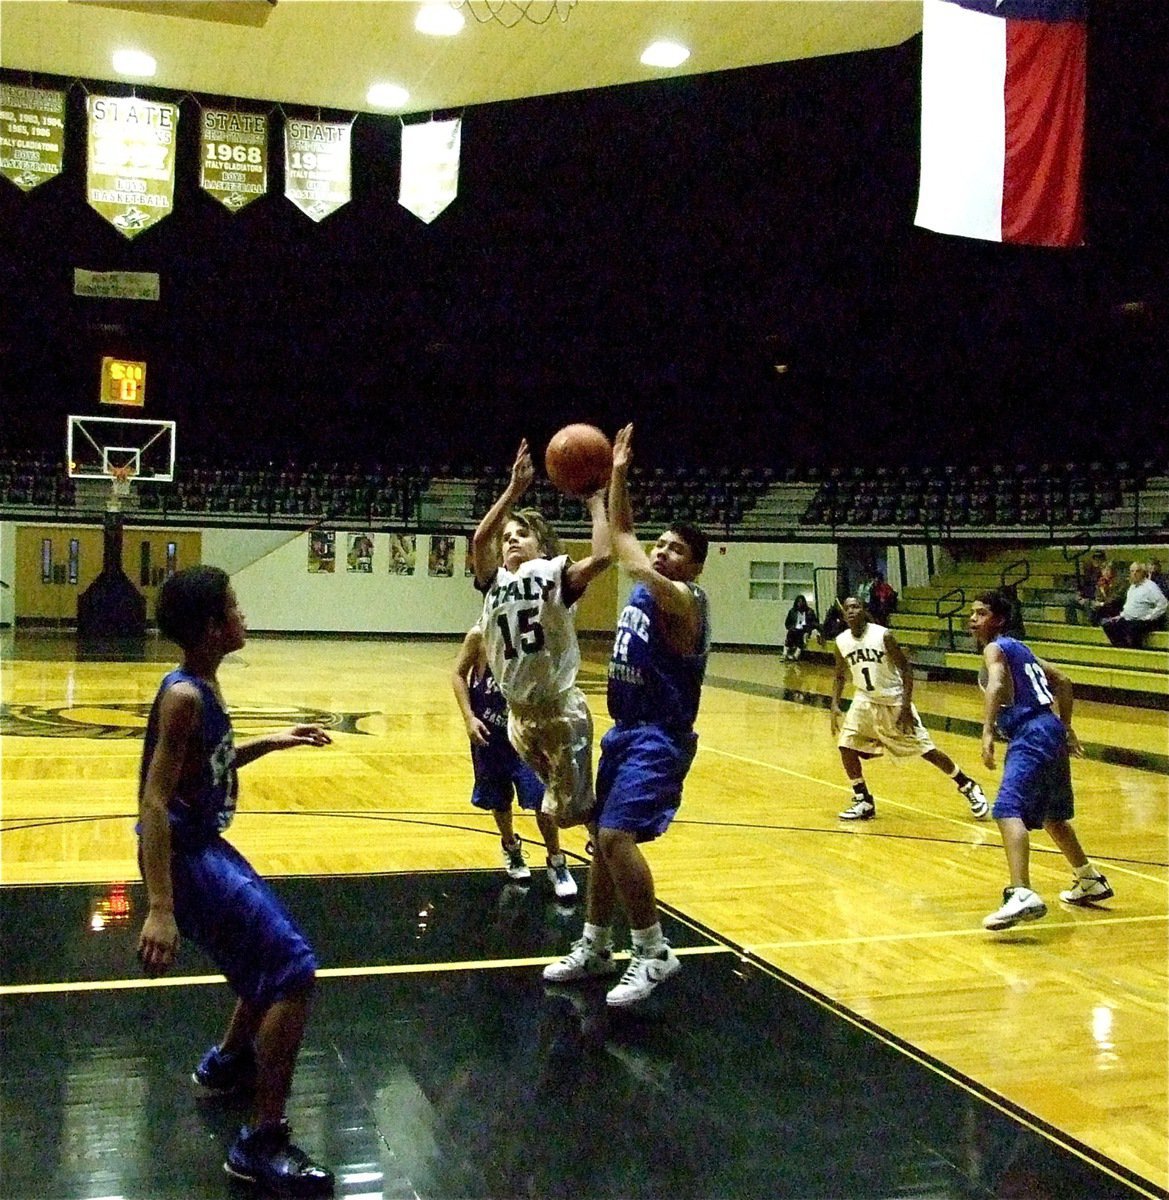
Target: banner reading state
{"type": "Point", "coordinates": [131, 179]}
{"type": "Point", "coordinates": [32, 135]}
{"type": "Point", "coordinates": [234, 157]}
{"type": "Point", "coordinates": [316, 166]}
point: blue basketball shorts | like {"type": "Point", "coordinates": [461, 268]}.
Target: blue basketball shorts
{"type": "Point", "coordinates": [233, 915]}
{"type": "Point", "coordinates": [640, 777]}
{"type": "Point", "coordinates": [500, 773]}
{"type": "Point", "coordinates": [1037, 778]}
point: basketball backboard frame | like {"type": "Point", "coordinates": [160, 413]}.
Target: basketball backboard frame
{"type": "Point", "coordinates": [96, 447]}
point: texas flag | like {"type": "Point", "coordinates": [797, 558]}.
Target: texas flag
{"type": "Point", "coordinates": [1002, 120]}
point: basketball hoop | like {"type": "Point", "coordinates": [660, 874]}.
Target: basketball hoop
{"type": "Point", "coordinates": [120, 479]}
{"type": "Point", "coordinates": [512, 12]}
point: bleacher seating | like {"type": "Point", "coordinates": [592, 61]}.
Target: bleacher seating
{"type": "Point", "coordinates": [1025, 501]}
{"type": "Point", "coordinates": [1022, 497]}
{"type": "Point", "coordinates": [1056, 630]}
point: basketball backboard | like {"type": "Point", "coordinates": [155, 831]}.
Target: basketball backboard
{"type": "Point", "coordinates": [102, 447]}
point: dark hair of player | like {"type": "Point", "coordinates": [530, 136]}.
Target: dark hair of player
{"type": "Point", "coordinates": [189, 601]}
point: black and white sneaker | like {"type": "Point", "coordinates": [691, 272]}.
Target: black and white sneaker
{"type": "Point", "coordinates": [514, 862]}
{"type": "Point", "coordinates": [863, 810]}
{"type": "Point", "coordinates": [643, 974]}
{"type": "Point", "coordinates": [265, 1155]}
{"type": "Point", "coordinates": [976, 798]}
{"type": "Point", "coordinates": [1019, 904]}
{"type": "Point", "coordinates": [1087, 891]}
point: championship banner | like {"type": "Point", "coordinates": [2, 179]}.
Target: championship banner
{"type": "Point", "coordinates": [116, 285]}
{"type": "Point", "coordinates": [316, 166]}
{"type": "Point", "coordinates": [32, 135]}
{"type": "Point", "coordinates": [234, 157]}
{"type": "Point", "coordinates": [430, 167]}
{"type": "Point", "coordinates": [131, 179]}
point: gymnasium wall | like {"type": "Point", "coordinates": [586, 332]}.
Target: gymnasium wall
{"type": "Point", "coordinates": [7, 572]}
{"type": "Point", "coordinates": [277, 593]}
{"type": "Point", "coordinates": [750, 585]}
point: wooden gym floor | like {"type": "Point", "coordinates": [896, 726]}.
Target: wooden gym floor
{"type": "Point", "coordinates": [843, 1027]}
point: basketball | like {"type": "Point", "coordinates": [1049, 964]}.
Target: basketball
{"type": "Point", "coordinates": [578, 459]}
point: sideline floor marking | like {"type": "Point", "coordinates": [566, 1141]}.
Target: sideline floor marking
{"type": "Point", "coordinates": [122, 985]}
{"type": "Point", "coordinates": [972, 931]}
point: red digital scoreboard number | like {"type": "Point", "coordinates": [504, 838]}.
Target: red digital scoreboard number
{"type": "Point", "coordinates": [123, 382]}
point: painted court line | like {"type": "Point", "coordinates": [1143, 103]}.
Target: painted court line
{"type": "Point", "coordinates": [123, 985]}
{"type": "Point", "coordinates": [973, 931]}
{"type": "Point", "coordinates": [837, 787]}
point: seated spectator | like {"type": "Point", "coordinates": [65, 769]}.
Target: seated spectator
{"type": "Point", "coordinates": [1144, 609]}
{"type": "Point", "coordinates": [1089, 576]}
{"type": "Point", "coordinates": [800, 622]}
{"type": "Point", "coordinates": [1158, 576]}
{"type": "Point", "coordinates": [1107, 600]}
{"type": "Point", "coordinates": [834, 623]}
{"type": "Point", "coordinates": [882, 599]}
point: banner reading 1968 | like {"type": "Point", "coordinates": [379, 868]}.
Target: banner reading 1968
{"type": "Point", "coordinates": [316, 166]}
{"type": "Point", "coordinates": [131, 179]}
{"type": "Point", "coordinates": [32, 135]}
{"type": "Point", "coordinates": [234, 156]}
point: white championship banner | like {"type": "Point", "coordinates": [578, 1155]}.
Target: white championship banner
{"type": "Point", "coordinates": [316, 166]}
{"type": "Point", "coordinates": [32, 135]}
{"type": "Point", "coordinates": [233, 159]}
{"type": "Point", "coordinates": [131, 177]}
{"type": "Point", "coordinates": [430, 167]}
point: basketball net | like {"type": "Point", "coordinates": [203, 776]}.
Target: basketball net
{"type": "Point", "coordinates": [120, 478]}
{"type": "Point", "coordinates": [512, 12]}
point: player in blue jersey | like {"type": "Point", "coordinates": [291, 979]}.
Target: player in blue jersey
{"type": "Point", "coordinates": [499, 770]}
{"type": "Point", "coordinates": [200, 886]}
{"type": "Point", "coordinates": [655, 681]}
{"type": "Point", "coordinates": [1029, 702]}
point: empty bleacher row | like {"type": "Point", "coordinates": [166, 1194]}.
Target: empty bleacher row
{"type": "Point", "coordinates": [720, 497]}
{"type": "Point", "coordinates": [374, 494]}
{"type": "Point", "coordinates": [953, 497]}
{"type": "Point", "coordinates": [752, 502]}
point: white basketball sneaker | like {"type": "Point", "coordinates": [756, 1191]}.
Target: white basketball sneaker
{"type": "Point", "coordinates": [1087, 891]}
{"type": "Point", "coordinates": [514, 862]}
{"type": "Point", "coordinates": [976, 798]}
{"type": "Point", "coordinates": [586, 960]}
{"type": "Point", "coordinates": [643, 974]}
{"type": "Point", "coordinates": [560, 877]}
{"type": "Point", "coordinates": [1019, 904]}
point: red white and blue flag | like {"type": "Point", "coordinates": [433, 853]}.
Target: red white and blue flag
{"type": "Point", "coordinates": [1002, 120]}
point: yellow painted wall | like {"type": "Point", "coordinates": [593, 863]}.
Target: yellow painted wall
{"type": "Point", "coordinates": [596, 611]}
{"type": "Point", "coordinates": [56, 600]}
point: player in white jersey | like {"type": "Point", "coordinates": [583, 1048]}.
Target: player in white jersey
{"type": "Point", "coordinates": [882, 716]}
{"type": "Point", "coordinates": [529, 590]}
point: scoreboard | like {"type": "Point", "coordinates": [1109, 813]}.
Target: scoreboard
{"type": "Point", "coordinates": [123, 382]}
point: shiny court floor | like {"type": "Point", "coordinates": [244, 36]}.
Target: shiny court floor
{"type": "Point", "coordinates": [438, 1065]}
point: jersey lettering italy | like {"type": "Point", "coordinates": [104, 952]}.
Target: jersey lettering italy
{"type": "Point", "coordinates": [529, 632]}
{"type": "Point", "coordinates": [872, 673]}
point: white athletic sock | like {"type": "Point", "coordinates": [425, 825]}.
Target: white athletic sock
{"type": "Point", "coordinates": [1087, 871]}
{"type": "Point", "coordinates": [600, 935]}
{"type": "Point", "coordinates": [648, 942]}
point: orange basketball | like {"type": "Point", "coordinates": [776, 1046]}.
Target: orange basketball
{"type": "Point", "coordinates": [578, 459]}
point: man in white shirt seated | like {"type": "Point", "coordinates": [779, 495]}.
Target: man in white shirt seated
{"type": "Point", "coordinates": [1144, 609]}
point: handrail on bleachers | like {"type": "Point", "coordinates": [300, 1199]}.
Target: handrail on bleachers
{"type": "Point", "coordinates": [1076, 558]}
{"type": "Point", "coordinates": [951, 613]}
{"type": "Point", "coordinates": [1020, 564]}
